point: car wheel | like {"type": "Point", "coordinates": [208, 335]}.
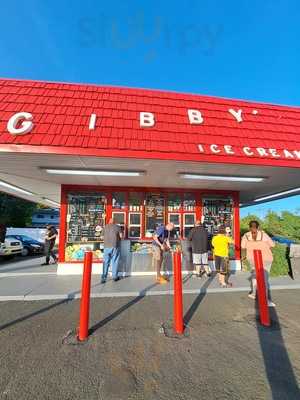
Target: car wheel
{"type": "Point", "coordinates": [25, 252]}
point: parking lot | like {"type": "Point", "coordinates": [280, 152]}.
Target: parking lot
{"type": "Point", "coordinates": [24, 264]}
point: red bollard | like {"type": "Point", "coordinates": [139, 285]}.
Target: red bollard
{"type": "Point", "coordinates": [261, 289]}
{"type": "Point", "coordinates": [85, 297]}
{"type": "Point", "coordinates": [178, 308]}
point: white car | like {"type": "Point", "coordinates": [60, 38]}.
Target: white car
{"type": "Point", "coordinates": [10, 248]}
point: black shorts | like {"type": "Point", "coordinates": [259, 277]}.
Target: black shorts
{"type": "Point", "coordinates": [222, 264]}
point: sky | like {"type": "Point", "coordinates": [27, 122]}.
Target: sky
{"type": "Point", "coordinates": [236, 49]}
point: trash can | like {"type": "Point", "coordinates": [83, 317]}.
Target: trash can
{"type": "Point", "coordinates": [295, 258]}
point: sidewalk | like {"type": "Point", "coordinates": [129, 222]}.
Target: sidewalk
{"type": "Point", "coordinates": [27, 280]}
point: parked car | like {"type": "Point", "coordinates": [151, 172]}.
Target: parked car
{"type": "Point", "coordinates": [30, 245]}
{"type": "Point", "coordinates": [283, 240]}
{"type": "Point", "coordinates": [11, 247]}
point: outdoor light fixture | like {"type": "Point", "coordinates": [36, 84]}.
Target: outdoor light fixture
{"type": "Point", "coordinates": [15, 188]}
{"type": "Point", "coordinates": [272, 196]}
{"type": "Point", "coordinates": [93, 172]}
{"type": "Point", "coordinates": [222, 178]}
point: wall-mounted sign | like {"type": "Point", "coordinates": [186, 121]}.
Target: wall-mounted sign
{"type": "Point", "coordinates": [228, 149]}
{"type": "Point", "coordinates": [21, 123]}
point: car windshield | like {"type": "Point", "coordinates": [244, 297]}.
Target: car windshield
{"type": "Point", "coordinates": [25, 238]}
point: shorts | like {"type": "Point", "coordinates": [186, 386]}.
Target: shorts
{"type": "Point", "coordinates": [200, 259]}
{"type": "Point", "coordinates": [157, 253]}
{"type": "Point", "coordinates": [222, 264]}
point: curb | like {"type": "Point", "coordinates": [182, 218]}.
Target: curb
{"type": "Point", "coordinates": [72, 296]}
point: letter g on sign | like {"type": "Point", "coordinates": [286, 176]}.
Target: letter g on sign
{"type": "Point", "coordinates": [20, 123]}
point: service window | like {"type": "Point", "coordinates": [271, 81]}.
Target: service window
{"type": "Point", "coordinates": [154, 212]}
{"type": "Point", "coordinates": [134, 229]}
{"type": "Point", "coordinates": [175, 219]}
{"type": "Point", "coordinates": [188, 223]}
{"type": "Point", "coordinates": [119, 219]}
{"type": "Point", "coordinates": [174, 202]}
{"type": "Point", "coordinates": [119, 200]}
{"type": "Point", "coordinates": [218, 211]}
{"type": "Point", "coordinates": [136, 201]}
{"type": "Point", "coordinates": [85, 221]}
{"type": "Point", "coordinates": [189, 202]}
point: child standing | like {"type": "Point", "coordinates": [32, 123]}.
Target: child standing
{"type": "Point", "coordinates": [220, 244]}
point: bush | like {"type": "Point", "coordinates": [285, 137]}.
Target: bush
{"type": "Point", "coordinates": [280, 264]}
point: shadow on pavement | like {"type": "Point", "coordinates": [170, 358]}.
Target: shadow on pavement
{"type": "Point", "coordinates": [193, 308]}
{"type": "Point", "coordinates": [71, 296]}
{"type": "Point", "coordinates": [18, 259]}
{"type": "Point", "coordinates": [279, 370]}
{"type": "Point", "coordinates": [119, 311]}
{"type": "Point", "coordinates": [17, 269]}
{"type": "Point", "coordinates": [187, 278]}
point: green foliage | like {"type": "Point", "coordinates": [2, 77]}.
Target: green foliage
{"type": "Point", "coordinates": [280, 264]}
{"type": "Point", "coordinates": [15, 212]}
{"type": "Point", "coordinates": [285, 224]}
{"type": "Point", "coordinates": [244, 222]}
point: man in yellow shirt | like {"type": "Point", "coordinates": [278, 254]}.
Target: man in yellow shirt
{"type": "Point", "coordinates": [220, 244]}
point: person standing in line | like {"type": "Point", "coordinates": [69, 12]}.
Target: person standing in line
{"type": "Point", "coordinates": [257, 239]}
{"type": "Point", "coordinates": [199, 238]}
{"type": "Point", "coordinates": [161, 244]}
{"type": "Point", "coordinates": [220, 244]}
{"type": "Point", "coordinates": [111, 256]}
{"type": "Point", "coordinates": [50, 239]}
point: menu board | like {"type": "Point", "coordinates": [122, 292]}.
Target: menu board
{"type": "Point", "coordinates": [86, 217]}
{"type": "Point", "coordinates": [155, 211]}
{"type": "Point", "coordinates": [217, 212]}
{"type": "Point", "coordinates": [189, 202]}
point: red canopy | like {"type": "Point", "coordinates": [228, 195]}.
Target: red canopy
{"type": "Point", "coordinates": [61, 114]}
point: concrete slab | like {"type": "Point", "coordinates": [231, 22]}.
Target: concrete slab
{"type": "Point", "coordinates": [51, 286]}
{"type": "Point", "coordinates": [21, 286]}
{"type": "Point", "coordinates": [26, 265]}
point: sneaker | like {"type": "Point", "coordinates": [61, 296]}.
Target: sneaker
{"type": "Point", "coordinates": [162, 280]}
{"type": "Point", "coordinates": [116, 279]}
{"type": "Point", "coordinates": [103, 281]}
{"type": "Point", "coordinates": [271, 304]}
{"type": "Point", "coordinates": [252, 296]}
{"type": "Point", "coordinates": [45, 264]}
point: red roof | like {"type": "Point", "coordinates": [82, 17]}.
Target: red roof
{"type": "Point", "coordinates": [61, 114]}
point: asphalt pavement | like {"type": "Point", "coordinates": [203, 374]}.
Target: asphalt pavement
{"type": "Point", "coordinates": [225, 355]}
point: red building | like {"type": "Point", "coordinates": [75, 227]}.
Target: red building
{"type": "Point", "coordinates": [145, 157]}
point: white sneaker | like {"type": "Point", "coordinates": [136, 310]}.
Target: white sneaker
{"type": "Point", "coordinates": [271, 304]}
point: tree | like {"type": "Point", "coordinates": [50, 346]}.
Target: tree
{"type": "Point", "coordinates": [15, 212]}
{"type": "Point", "coordinates": [273, 224]}
{"type": "Point", "coordinates": [285, 224]}
{"type": "Point", "coordinates": [244, 222]}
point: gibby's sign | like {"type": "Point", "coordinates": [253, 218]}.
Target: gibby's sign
{"type": "Point", "coordinates": [22, 123]}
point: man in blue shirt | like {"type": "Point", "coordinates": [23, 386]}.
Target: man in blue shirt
{"type": "Point", "coordinates": [160, 244]}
